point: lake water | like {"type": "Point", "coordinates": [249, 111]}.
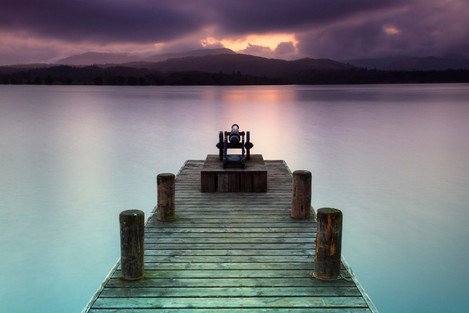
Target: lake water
{"type": "Point", "coordinates": [393, 158]}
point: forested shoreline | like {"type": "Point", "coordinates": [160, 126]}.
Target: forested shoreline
{"type": "Point", "coordinates": [122, 75]}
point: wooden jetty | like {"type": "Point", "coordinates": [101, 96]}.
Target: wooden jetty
{"type": "Point", "coordinates": [230, 252]}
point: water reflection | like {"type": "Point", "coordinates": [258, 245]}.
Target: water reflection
{"type": "Point", "coordinates": [392, 158]}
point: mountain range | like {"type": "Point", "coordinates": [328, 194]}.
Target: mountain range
{"type": "Point", "coordinates": [225, 67]}
{"type": "Point", "coordinates": [102, 58]}
{"type": "Point", "coordinates": [226, 60]}
{"type": "Point", "coordinates": [406, 63]}
{"type": "Point", "coordinates": [206, 60]}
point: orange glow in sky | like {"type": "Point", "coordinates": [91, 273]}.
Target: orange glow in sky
{"type": "Point", "coordinates": [391, 30]}
{"type": "Point", "coordinates": [269, 40]}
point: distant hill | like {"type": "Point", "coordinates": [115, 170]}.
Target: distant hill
{"type": "Point", "coordinates": [90, 58]}
{"type": "Point", "coordinates": [241, 63]}
{"type": "Point", "coordinates": [205, 60]}
{"type": "Point", "coordinates": [227, 61]}
{"type": "Point", "coordinates": [100, 58]}
{"type": "Point", "coordinates": [193, 53]}
{"type": "Point", "coordinates": [429, 63]}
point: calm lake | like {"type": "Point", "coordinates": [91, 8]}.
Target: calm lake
{"type": "Point", "coordinates": [393, 158]}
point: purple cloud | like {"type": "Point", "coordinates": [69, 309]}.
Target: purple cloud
{"type": "Point", "coordinates": [263, 16]}
{"type": "Point", "coordinates": [340, 29]}
{"type": "Point", "coordinates": [101, 21]}
{"type": "Point", "coordinates": [420, 29]}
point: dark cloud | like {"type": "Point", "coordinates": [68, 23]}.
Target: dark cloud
{"type": "Point", "coordinates": [285, 48]}
{"type": "Point", "coordinates": [263, 16]}
{"type": "Point", "coordinates": [257, 50]}
{"type": "Point", "coordinates": [25, 53]}
{"type": "Point", "coordinates": [419, 29]}
{"type": "Point", "coordinates": [99, 20]}
{"type": "Point", "coordinates": [339, 29]}
{"type": "Point", "coordinates": [145, 20]}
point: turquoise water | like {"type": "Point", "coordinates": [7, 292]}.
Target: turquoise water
{"type": "Point", "coordinates": [393, 158]}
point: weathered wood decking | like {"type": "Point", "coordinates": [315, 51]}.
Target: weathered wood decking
{"type": "Point", "coordinates": [230, 252]}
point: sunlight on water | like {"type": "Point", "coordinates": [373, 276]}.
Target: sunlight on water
{"type": "Point", "coordinates": [393, 158]}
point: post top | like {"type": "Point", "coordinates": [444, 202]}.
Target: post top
{"type": "Point", "coordinates": [328, 211]}
{"type": "Point", "coordinates": [302, 172]}
{"type": "Point", "coordinates": [132, 213]}
{"type": "Point", "coordinates": [166, 175]}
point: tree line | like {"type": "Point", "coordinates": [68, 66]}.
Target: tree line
{"type": "Point", "coordinates": [121, 75]}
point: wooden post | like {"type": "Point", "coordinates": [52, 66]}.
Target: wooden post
{"type": "Point", "coordinates": [166, 193]}
{"type": "Point", "coordinates": [132, 230]}
{"type": "Point", "coordinates": [328, 244]}
{"type": "Point", "coordinates": [301, 195]}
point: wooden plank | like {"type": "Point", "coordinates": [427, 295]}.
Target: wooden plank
{"type": "Point", "coordinates": [218, 230]}
{"type": "Point", "coordinates": [256, 214]}
{"type": "Point", "coordinates": [226, 247]}
{"type": "Point", "coordinates": [226, 282]}
{"type": "Point", "coordinates": [232, 258]}
{"type": "Point", "coordinates": [229, 235]}
{"type": "Point", "coordinates": [246, 182]}
{"type": "Point", "coordinates": [321, 291]}
{"type": "Point", "coordinates": [229, 253]}
{"type": "Point", "coordinates": [193, 241]}
{"type": "Point", "coordinates": [245, 221]}
{"type": "Point", "coordinates": [240, 223]}
{"type": "Point", "coordinates": [234, 266]}
{"type": "Point", "coordinates": [223, 184]}
{"type": "Point", "coordinates": [259, 182]}
{"type": "Point", "coordinates": [231, 266]}
{"type": "Point", "coordinates": [208, 182]}
{"type": "Point", "coordinates": [232, 302]}
{"type": "Point", "coordinates": [240, 310]}
{"type": "Point", "coordinates": [210, 274]}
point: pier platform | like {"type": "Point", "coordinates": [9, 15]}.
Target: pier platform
{"type": "Point", "coordinates": [231, 252]}
{"type": "Point", "coordinates": [251, 178]}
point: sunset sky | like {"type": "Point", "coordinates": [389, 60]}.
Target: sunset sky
{"type": "Point", "coordinates": [41, 31]}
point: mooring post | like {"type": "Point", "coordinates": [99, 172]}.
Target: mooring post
{"type": "Point", "coordinates": [166, 185]}
{"type": "Point", "coordinates": [132, 231]}
{"type": "Point", "coordinates": [328, 243]}
{"type": "Point", "coordinates": [301, 195]}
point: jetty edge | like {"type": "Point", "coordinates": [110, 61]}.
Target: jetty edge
{"type": "Point", "coordinates": [231, 252]}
